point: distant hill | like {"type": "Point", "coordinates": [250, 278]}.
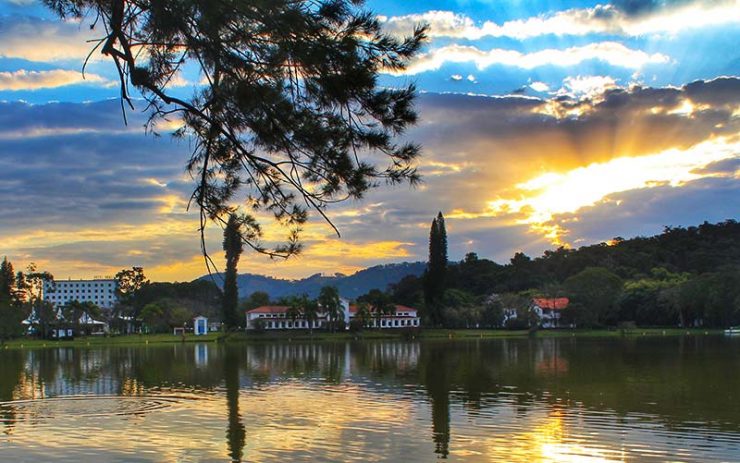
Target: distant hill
{"type": "Point", "coordinates": [350, 286]}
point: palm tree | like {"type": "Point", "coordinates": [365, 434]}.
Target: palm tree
{"type": "Point", "coordinates": [332, 305]}
{"type": "Point", "coordinates": [310, 312]}
{"type": "Point", "coordinates": [363, 314]}
{"type": "Point", "coordinates": [380, 304]}
{"type": "Point", "coordinates": [295, 309]}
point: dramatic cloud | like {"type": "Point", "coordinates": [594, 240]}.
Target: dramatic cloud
{"type": "Point", "coordinates": [612, 53]}
{"type": "Point", "coordinates": [642, 212]}
{"type": "Point", "coordinates": [552, 194]}
{"type": "Point", "coordinates": [40, 40]}
{"type": "Point", "coordinates": [623, 18]}
{"type": "Point", "coordinates": [582, 151]}
{"type": "Point", "coordinates": [82, 194]}
{"type": "Point", "coordinates": [34, 80]}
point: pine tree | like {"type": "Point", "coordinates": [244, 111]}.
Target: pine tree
{"type": "Point", "coordinates": [10, 311]}
{"type": "Point", "coordinates": [233, 249]}
{"type": "Point", "coordinates": [7, 280]}
{"type": "Point", "coordinates": [290, 114]}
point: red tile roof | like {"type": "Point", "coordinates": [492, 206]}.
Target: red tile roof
{"type": "Point", "coordinates": [558, 303]}
{"type": "Point", "coordinates": [270, 309]}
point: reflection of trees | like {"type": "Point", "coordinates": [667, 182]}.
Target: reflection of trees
{"type": "Point", "coordinates": [677, 379]}
{"type": "Point", "coordinates": [235, 433]}
{"type": "Point", "coordinates": [437, 381]}
{"type": "Point", "coordinates": [11, 372]}
{"type": "Point", "coordinates": [268, 362]}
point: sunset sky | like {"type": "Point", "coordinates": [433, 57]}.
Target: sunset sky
{"type": "Point", "coordinates": [543, 123]}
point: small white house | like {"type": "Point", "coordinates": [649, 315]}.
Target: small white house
{"type": "Point", "coordinates": [200, 325]}
{"type": "Point", "coordinates": [549, 310]}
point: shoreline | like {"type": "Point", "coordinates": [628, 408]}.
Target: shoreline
{"type": "Point", "coordinates": [291, 336]}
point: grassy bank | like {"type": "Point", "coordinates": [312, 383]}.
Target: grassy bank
{"type": "Point", "coordinates": [100, 341]}
{"type": "Point", "coordinates": [290, 336]}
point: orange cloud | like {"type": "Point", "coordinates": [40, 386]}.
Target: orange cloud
{"type": "Point", "coordinates": [34, 80]}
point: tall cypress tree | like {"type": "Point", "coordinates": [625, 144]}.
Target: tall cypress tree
{"type": "Point", "coordinates": [433, 242]}
{"type": "Point", "coordinates": [233, 250]}
{"type": "Point", "coordinates": [442, 246]}
{"type": "Point", "coordinates": [436, 272]}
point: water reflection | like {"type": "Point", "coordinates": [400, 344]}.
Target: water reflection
{"type": "Point", "coordinates": [236, 433]}
{"type": "Point", "coordinates": [548, 400]}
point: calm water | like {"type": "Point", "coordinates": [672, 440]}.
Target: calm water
{"type": "Point", "coordinates": [517, 400]}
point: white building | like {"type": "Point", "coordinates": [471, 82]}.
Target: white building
{"type": "Point", "coordinates": [200, 325]}
{"type": "Point", "coordinates": [101, 292]}
{"type": "Point", "coordinates": [275, 317]}
{"type": "Point", "coordinates": [548, 310]}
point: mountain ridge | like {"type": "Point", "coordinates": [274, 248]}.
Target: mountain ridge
{"type": "Point", "coordinates": [349, 286]}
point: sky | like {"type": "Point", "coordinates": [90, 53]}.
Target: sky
{"type": "Point", "coordinates": [543, 124]}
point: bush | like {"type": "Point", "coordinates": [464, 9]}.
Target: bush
{"type": "Point", "coordinates": [516, 324]}
{"type": "Point", "coordinates": [410, 333]}
{"type": "Point", "coordinates": [258, 326]}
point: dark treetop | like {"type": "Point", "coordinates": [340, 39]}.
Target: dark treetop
{"type": "Point", "coordinates": [290, 112]}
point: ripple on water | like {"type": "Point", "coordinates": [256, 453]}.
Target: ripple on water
{"type": "Point", "coordinates": [85, 406]}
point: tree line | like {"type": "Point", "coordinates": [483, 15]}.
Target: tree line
{"type": "Point", "coordinates": [682, 277]}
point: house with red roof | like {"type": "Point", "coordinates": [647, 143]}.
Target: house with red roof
{"type": "Point", "coordinates": [549, 310]}
{"type": "Point", "coordinates": [276, 317]}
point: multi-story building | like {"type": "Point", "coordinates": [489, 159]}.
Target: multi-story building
{"type": "Point", "coordinates": [277, 317]}
{"type": "Point", "coordinates": [99, 291]}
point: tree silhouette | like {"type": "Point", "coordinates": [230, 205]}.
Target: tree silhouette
{"type": "Point", "coordinates": [233, 248]}
{"type": "Point", "coordinates": [436, 273]}
{"type": "Point", "coordinates": [331, 304]}
{"type": "Point", "coordinates": [288, 114]}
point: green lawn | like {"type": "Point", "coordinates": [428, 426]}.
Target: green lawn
{"type": "Point", "coordinates": [283, 336]}
{"type": "Point", "coordinates": [111, 340]}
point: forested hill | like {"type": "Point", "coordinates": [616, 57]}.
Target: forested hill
{"type": "Point", "coordinates": [682, 277]}
{"type": "Point", "coordinates": [696, 250]}
{"type": "Point", "coordinates": [350, 286]}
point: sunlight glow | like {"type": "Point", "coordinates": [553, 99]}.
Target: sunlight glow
{"type": "Point", "coordinates": [544, 197]}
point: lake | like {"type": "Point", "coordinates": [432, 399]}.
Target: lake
{"type": "Point", "coordinates": [516, 400]}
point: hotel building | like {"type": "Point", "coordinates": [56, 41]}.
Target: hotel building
{"type": "Point", "coordinates": [101, 292]}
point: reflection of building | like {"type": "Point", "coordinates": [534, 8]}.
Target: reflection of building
{"type": "Point", "coordinates": [547, 358]}
{"type": "Point", "coordinates": [201, 355]}
{"type": "Point", "coordinates": [101, 292]}
{"type": "Point", "coordinates": [279, 317]}
{"type": "Point", "coordinates": [548, 310]}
